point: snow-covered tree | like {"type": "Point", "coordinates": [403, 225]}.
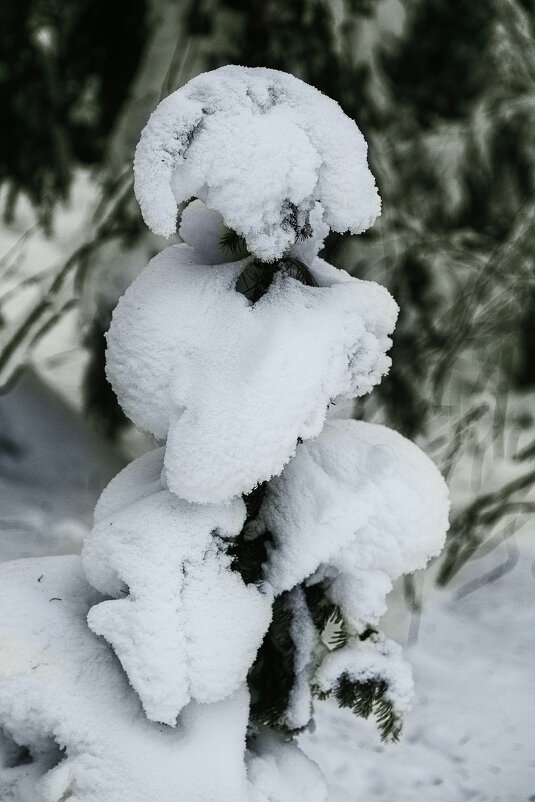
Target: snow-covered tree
{"type": "Point", "coordinates": [240, 569]}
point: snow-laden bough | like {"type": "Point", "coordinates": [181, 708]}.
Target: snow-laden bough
{"type": "Point", "coordinates": [73, 729]}
{"type": "Point", "coordinates": [232, 385]}
{"type": "Point", "coordinates": [263, 149]}
{"type": "Point", "coordinates": [178, 612]}
{"type": "Point", "coordinates": [360, 502]}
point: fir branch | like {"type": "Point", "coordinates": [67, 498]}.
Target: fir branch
{"type": "Point", "coordinates": [322, 610]}
{"type": "Point", "coordinates": [365, 698]}
{"type": "Point", "coordinates": [258, 276]}
{"type": "Point", "coordinates": [233, 244]}
{"type": "Point", "coordinates": [291, 219]}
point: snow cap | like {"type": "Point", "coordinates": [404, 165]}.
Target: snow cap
{"type": "Point", "coordinates": [263, 149]}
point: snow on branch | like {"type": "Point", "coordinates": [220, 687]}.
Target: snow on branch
{"type": "Point", "coordinates": [178, 613]}
{"type": "Point", "coordinates": [232, 385]}
{"type": "Point", "coordinates": [262, 148]}
{"type": "Point", "coordinates": [64, 697]}
{"type": "Point", "coordinates": [361, 500]}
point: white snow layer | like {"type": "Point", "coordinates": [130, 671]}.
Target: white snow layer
{"type": "Point", "coordinates": [363, 505]}
{"type": "Point", "coordinates": [202, 229]}
{"type": "Point", "coordinates": [61, 688]}
{"type": "Point", "coordinates": [179, 613]}
{"type": "Point", "coordinates": [264, 150]}
{"type": "Point", "coordinates": [281, 772]}
{"type": "Point", "coordinates": [306, 642]}
{"type": "Point", "coordinates": [372, 659]}
{"type": "Point", "coordinates": [232, 385]}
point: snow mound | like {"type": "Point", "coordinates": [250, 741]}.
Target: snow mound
{"type": "Point", "coordinates": [64, 696]}
{"type": "Point", "coordinates": [280, 772]}
{"type": "Point", "coordinates": [231, 385]}
{"type": "Point", "coordinates": [264, 150]}
{"type": "Point", "coordinates": [179, 612]}
{"type": "Point", "coordinates": [360, 503]}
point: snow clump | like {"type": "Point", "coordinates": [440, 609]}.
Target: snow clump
{"type": "Point", "coordinates": [264, 150]}
{"type": "Point", "coordinates": [361, 499]}
{"type": "Point", "coordinates": [178, 612]}
{"type": "Point", "coordinates": [229, 385]}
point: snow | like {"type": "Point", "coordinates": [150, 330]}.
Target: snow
{"type": "Point", "coordinates": [361, 499]}
{"type": "Point", "coordinates": [469, 734]}
{"type": "Point", "coordinates": [62, 689]}
{"type": "Point", "coordinates": [179, 612]}
{"type": "Point", "coordinates": [280, 772]}
{"type": "Point", "coordinates": [202, 229]}
{"type": "Point", "coordinates": [263, 149]}
{"type": "Point", "coordinates": [376, 658]}
{"type": "Point", "coordinates": [232, 386]}
{"type": "Point", "coordinates": [52, 468]}
{"type": "Point", "coordinates": [355, 507]}
{"type": "Point", "coordinates": [305, 637]}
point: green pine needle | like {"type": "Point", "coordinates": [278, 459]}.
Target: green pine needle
{"type": "Point", "coordinates": [233, 244]}
{"type": "Point", "coordinates": [257, 276]}
{"type": "Point", "coordinates": [365, 698]}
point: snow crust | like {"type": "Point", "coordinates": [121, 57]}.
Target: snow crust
{"type": "Point", "coordinates": [264, 150]}
{"type": "Point", "coordinates": [61, 688]}
{"type": "Point", "coordinates": [180, 613]}
{"type": "Point", "coordinates": [359, 505]}
{"type": "Point", "coordinates": [232, 385]}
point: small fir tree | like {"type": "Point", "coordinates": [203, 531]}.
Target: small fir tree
{"type": "Point", "coordinates": [240, 570]}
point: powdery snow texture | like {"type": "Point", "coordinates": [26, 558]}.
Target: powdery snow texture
{"type": "Point", "coordinates": [370, 660]}
{"type": "Point", "coordinates": [359, 504]}
{"type": "Point", "coordinates": [264, 150]}
{"type": "Point", "coordinates": [64, 696]}
{"type": "Point", "coordinates": [180, 613]}
{"type": "Point", "coordinates": [60, 686]}
{"type": "Point", "coordinates": [231, 385]}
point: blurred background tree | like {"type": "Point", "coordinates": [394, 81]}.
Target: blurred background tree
{"type": "Point", "coordinates": [444, 92]}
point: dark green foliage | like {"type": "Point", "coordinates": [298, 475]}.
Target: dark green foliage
{"type": "Point", "coordinates": [365, 698]}
{"type": "Point", "coordinates": [100, 402]}
{"type": "Point", "coordinates": [326, 614]}
{"type": "Point", "coordinates": [272, 675]}
{"type": "Point", "coordinates": [65, 69]}
{"type": "Point", "coordinates": [257, 276]}
{"type": "Point", "coordinates": [249, 550]}
{"type": "Point", "coordinates": [416, 336]}
{"type": "Point", "coordinates": [436, 71]}
{"type": "Point", "coordinates": [233, 244]}
{"type": "Point", "coordinates": [298, 37]}
{"type": "Point", "coordinates": [525, 370]}
{"type": "Point", "coordinates": [322, 610]}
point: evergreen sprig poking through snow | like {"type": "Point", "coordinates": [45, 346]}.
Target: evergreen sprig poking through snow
{"type": "Point", "coordinates": [242, 567]}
